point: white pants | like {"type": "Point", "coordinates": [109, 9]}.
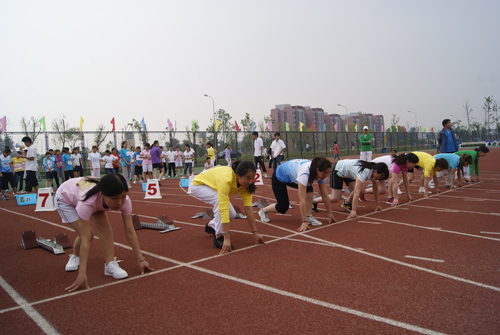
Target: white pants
{"type": "Point", "coordinates": [366, 156]}
{"type": "Point", "coordinates": [209, 196]}
{"type": "Point", "coordinates": [212, 162]}
{"type": "Point", "coordinates": [95, 172]}
{"type": "Point", "coordinates": [228, 160]}
{"type": "Point", "coordinates": [126, 173]}
{"type": "Point", "coordinates": [441, 175]}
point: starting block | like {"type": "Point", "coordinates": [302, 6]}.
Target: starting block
{"type": "Point", "coordinates": [262, 203]}
{"type": "Point", "coordinates": [163, 223]}
{"type": "Point", "coordinates": [29, 241]}
{"type": "Point", "coordinates": [207, 214]}
{"type": "Point", "coordinates": [239, 213]}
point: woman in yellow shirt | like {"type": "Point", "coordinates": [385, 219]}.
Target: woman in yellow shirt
{"type": "Point", "coordinates": [214, 187]}
{"type": "Point", "coordinates": [19, 163]}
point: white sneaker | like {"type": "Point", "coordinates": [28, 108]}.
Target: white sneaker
{"type": "Point", "coordinates": [135, 182]}
{"type": "Point", "coordinates": [265, 176]}
{"type": "Point", "coordinates": [421, 190]}
{"type": "Point", "coordinates": [73, 263]}
{"type": "Point", "coordinates": [263, 216]}
{"type": "Point", "coordinates": [313, 221]}
{"type": "Point", "coordinates": [432, 186]}
{"type": "Point", "coordinates": [399, 191]}
{"type": "Point", "coordinates": [343, 197]}
{"type": "Point", "coordinates": [114, 270]}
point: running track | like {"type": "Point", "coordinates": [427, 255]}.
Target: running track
{"type": "Point", "coordinates": [428, 267]}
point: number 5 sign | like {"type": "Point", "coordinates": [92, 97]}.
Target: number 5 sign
{"type": "Point", "coordinates": [258, 178]}
{"type": "Point", "coordinates": [152, 190]}
{"type": "Point", "coordinates": [45, 200]}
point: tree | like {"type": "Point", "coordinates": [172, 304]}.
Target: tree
{"type": "Point", "coordinates": [31, 127]}
{"type": "Point", "coordinates": [60, 126]}
{"type": "Point", "coordinates": [100, 136]}
{"type": "Point", "coordinates": [488, 113]}
{"type": "Point", "coordinates": [394, 120]}
{"type": "Point", "coordinates": [138, 126]}
{"type": "Point", "coordinates": [73, 135]}
{"type": "Point", "coordinates": [495, 110]}
{"type": "Point", "coordinates": [467, 112]}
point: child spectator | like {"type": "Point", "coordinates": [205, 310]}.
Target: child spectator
{"type": "Point", "coordinates": [19, 164]}
{"type": "Point", "coordinates": [109, 159]}
{"type": "Point", "coordinates": [48, 164]}
{"type": "Point", "coordinates": [95, 162]}
{"type": "Point", "coordinates": [31, 165]}
{"type": "Point", "coordinates": [7, 171]}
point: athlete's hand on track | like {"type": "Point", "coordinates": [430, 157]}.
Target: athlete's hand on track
{"type": "Point", "coordinates": [80, 281]}
{"type": "Point", "coordinates": [144, 265]}
{"type": "Point", "coordinates": [410, 198]}
{"type": "Point", "coordinates": [226, 247]}
{"type": "Point", "coordinates": [258, 238]}
{"type": "Point", "coordinates": [351, 215]}
{"type": "Point", "coordinates": [378, 208]}
{"type": "Point", "coordinates": [331, 219]}
{"type": "Point", "coordinates": [303, 227]}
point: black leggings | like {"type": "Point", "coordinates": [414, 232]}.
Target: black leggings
{"type": "Point", "coordinates": [20, 180]}
{"type": "Point", "coordinates": [260, 160]}
{"type": "Point", "coordinates": [281, 193]}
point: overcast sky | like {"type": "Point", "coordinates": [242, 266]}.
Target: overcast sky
{"type": "Point", "coordinates": [156, 59]}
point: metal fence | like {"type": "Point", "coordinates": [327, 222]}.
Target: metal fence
{"type": "Point", "coordinates": [241, 142]}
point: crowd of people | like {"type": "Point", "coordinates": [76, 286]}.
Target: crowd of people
{"type": "Point", "coordinates": [80, 200]}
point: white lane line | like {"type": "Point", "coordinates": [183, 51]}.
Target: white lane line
{"type": "Point", "coordinates": [28, 309]}
{"type": "Point", "coordinates": [488, 232]}
{"type": "Point", "coordinates": [372, 222]}
{"type": "Point", "coordinates": [425, 259]}
{"type": "Point", "coordinates": [452, 210]}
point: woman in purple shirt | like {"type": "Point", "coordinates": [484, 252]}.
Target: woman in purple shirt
{"type": "Point", "coordinates": [156, 159]}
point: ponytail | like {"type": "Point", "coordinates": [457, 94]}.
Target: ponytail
{"type": "Point", "coordinates": [380, 167]}
{"type": "Point", "coordinates": [403, 158]}
{"type": "Point", "coordinates": [241, 168]}
{"type": "Point", "coordinates": [482, 148]}
{"type": "Point", "coordinates": [109, 185]}
{"type": "Point", "coordinates": [318, 163]}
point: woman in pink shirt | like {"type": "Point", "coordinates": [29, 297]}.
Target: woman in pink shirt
{"type": "Point", "coordinates": [147, 162]}
{"type": "Point", "coordinates": [80, 200]}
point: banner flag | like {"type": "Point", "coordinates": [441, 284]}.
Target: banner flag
{"type": "Point", "coordinates": [217, 124]}
{"type": "Point", "coordinates": [42, 121]}
{"type": "Point", "coordinates": [3, 122]}
{"type": "Point", "coordinates": [314, 128]}
{"type": "Point", "coordinates": [287, 126]}
{"type": "Point", "coordinates": [335, 127]}
{"type": "Point", "coordinates": [169, 125]}
{"type": "Point", "coordinates": [143, 125]}
{"type": "Point", "coordinates": [113, 123]}
{"type": "Point", "coordinates": [81, 123]}
{"type": "Point", "coordinates": [236, 124]}
{"type": "Point", "coordinates": [301, 125]}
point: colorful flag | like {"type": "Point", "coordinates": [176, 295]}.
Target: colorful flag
{"type": "Point", "coordinates": [346, 128]}
{"type": "Point", "coordinates": [356, 128]}
{"type": "Point", "coordinates": [382, 128]}
{"type": "Point", "coordinates": [426, 129]}
{"type": "Point", "coordinates": [409, 130]}
{"type": "Point", "coordinates": [404, 129]}
{"type": "Point", "coordinates": [314, 128]}
{"type": "Point", "coordinates": [169, 125]}
{"type": "Point", "coordinates": [324, 126]}
{"type": "Point", "coordinates": [42, 121]}
{"type": "Point", "coordinates": [432, 129]}
{"type": "Point", "coordinates": [270, 124]}
{"type": "Point", "coordinates": [113, 123]}
{"type": "Point", "coordinates": [421, 129]}
{"type": "Point", "coordinates": [3, 122]}
{"type": "Point", "coordinates": [397, 130]}
{"type": "Point", "coordinates": [236, 124]}
{"type": "Point", "coordinates": [301, 125]}
{"type": "Point", "coordinates": [144, 125]}
{"type": "Point", "coordinates": [375, 128]}
{"type": "Point", "coordinates": [390, 129]}
{"type": "Point", "coordinates": [217, 124]}
{"type": "Point", "coordinates": [253, 127]}
{"type": "Point", "coordinates": [287, 126]}
{"type": "Point", "coordinates": [335, 127]}
{"type": "Point", "coordinates": [193, 125]}
{"type": "Point", "coordinates": [81, 123]}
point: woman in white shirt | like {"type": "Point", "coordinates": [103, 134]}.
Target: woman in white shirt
{"type": "Point", "coordinates": [188, 160]}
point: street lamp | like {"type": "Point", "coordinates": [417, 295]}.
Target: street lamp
{"type": "Point", "coordinates": [215, 134]}
{"type": "Point", "coordinates": [346, 114]}
{"type": "Point", "coordinates": [416, 124]}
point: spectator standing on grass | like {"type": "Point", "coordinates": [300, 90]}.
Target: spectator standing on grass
{"type": "Point", "coordinates": [277, 150]}
{"type": "Point", "coordinates": [214, 187]}
{"type": "Point", "coordinates": [108, 160]}
{"type": "Point", "coordinates": [67, 164]}
{"type": "Point", "coordinates": [259, 152]}
{"type": "Point", "coordinates": [95, 162]}
{"type": "Point", "coordinates": [76, 160]}
{"type": "Point", "coordinates": [178, 162]}
{"type": "Point", "coordinates": [116, 163]}
{"type": "Point", "coordinates": [300, 174]}
{"type": "Point", "coordinates": [125, 161]}
{"type": "Point", "coordinates": [59, 165]}
{"type": "Point", "coordinates": [31, 157]}
{"type": "Point", "coordinates": [49, 164]}
{"type": "Point", "coordinates": [147, 163]}
{"type": "Point", "coordinates": [7, 171]}
{"type": "Point", "coordinates": [447, 142]}
{"type": "Point", "coordinates": [366, 145]}
{"type": "Point", "coordinates": [473, 169]}
{"type": "Point", "coordinates": [354, 173]}
{"type": "Point", "coordinates": [138, 165]}
{"type": "Point", "coordinates": [82, 200]}
{"type": "Point", "coordinates": [227, 154]}
{"type": "Point", "coordinates": [170, 157]}
{"type": "Point", "coordinates": [188, 160]}
{"type": "Point", "coordinates": [211, 154]}
{"type": "Point", "coordinates": [19, 164]}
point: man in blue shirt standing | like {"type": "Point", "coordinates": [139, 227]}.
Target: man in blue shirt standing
{"type": "Point", "coordinates": [447, 142]}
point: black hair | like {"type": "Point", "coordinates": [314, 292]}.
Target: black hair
{"type": "Point", "coordinates": [441, 162]}
{"type": "Point", "coordinates": [395, 151]}
{"type": "Point", "coordinates": [147, 145]}
{"type": "Point", "coordinates": [187, 145]}
{"type": "Point", "coordinates": [210, 144]}
{"type": "Point", "coordinates": [380, 167]}
{"type": "Point", "coordinates": [107, 152]}
{"type": "Point", "coordinates": [161, 147]}
{"type": "Point", "coordinates": [445, 121]}
{"type": "Point", "coordinates": [255, 133]}
{"type": "Point", "coordinates": [51, 149]}
{"type": "Point", "coordinates": [137, 148]}
{"type": "Point", "coordinates": [113, 149]}
{"type": "Point", "coordinates": [334, 142]}
{"type": "Point", "coordinates": [123, 143]}
{"type": "Point", "coordinates": [109, 185]}
{"type": "Point", "coordinates": [47, 153]}
{"type": "Point", "coordinates": [207, 159]}
{"type": "Point", "coordinates": [277, 134]}
{"type": "Point", "coordinates": [95, 146]}
{"type": "Point", "coordinates": [227, 145]}
{"type": "Point", "coordinates": [7, 151]}
{"type": "Point", "coordinates": [483, 148]}
{"type": "Point", "coordinates": [154, 143]}
{"type": "Point", "coordinates": [320, 163]}
{"type": "Point", "coordinates": [464, 158]}
{"type": "Point", "coordinates": [241, 168]}
{"type": "Point", "coordinates": [27, 139]}
{"type": "Point", "coordinates": [403, 158]}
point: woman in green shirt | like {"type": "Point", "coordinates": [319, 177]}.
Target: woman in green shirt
{"type": "Point", "coordinates": [477, 153]}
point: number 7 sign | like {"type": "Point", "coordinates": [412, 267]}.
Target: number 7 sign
{"type": "Point", "coordinates": [45, 200]}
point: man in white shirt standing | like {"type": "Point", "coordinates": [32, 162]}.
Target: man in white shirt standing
{"type": "Point", "coordinates": [31, 165]}
{"type": "Point", "coordinates": [277, 148]}
{"type": "Point", "coordinates": [170, 156]}
{"type": "Point", "coordinates": [259, 152]}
